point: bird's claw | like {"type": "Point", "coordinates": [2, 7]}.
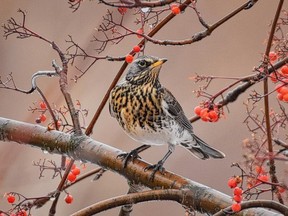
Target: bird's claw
{"type": "Point", "coordinates": [156, 167]}
{"type": "Point", "coordinates": [126, 157]}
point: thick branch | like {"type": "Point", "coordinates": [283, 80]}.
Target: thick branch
{"type": "Point", "coordinates": [199, 197]}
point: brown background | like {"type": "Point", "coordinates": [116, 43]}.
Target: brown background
{"type": "Point", "coordinates": [232, 50]}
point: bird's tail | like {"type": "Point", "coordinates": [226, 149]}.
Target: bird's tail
{"type": "Point", "coordinates": [202, 150]}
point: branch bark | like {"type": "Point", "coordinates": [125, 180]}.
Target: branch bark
{"type": "Point", "coordinates": [197, 196]}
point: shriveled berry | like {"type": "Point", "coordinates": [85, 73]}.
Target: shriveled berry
{"type": "Point", "coordinates": [129, 58]}
{"type": "Point", "coordinates": [21, 213]}
{"type": "Point", "coordinates": [43, 105]}
{"type": "Point", "coordinates": [38, 120]}
{"type": "Point", "coordinates": [43, 117]}
{"type": "Point", "coordinates": [122, 10]}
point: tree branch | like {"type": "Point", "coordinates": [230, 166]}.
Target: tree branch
{"type": "Point", "coordinates": [257, 203]}
{"type": "Point", "coordinates": [133, 198]}
{"type": "Point", "coordinates": [200, 197]}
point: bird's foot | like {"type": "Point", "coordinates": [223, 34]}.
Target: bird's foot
{"type": "Point", "coordinates": [156, 167]}
{"type": "Point", "coordinates": [133, 154]}
{"type": "Point", "coordinates": [127, 156]}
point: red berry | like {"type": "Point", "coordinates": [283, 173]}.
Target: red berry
{"type": "Point", "coordinates": [139, 33]}
{"type": "Point", "coordinates": [284, 90]}
{"type": "Point", "coordinates": [204, 114]}
{"type": "Point", "coordinates": [232, 182]}
{"type": "Point", "coordinates": [273, 77]}
{"type": "Point", "coordinates": [237, 191]}
{"type": "Point", "coordinates": [197, 110]}
{"type": "Point", "coordinates": [236, 207]}
{"type": "Point", "coordinates": [136, 49]}
{"type": "Point", "coordinates": [273, 56]}
{"type": "Point", "coordinates": [129, 58]}
{"type": "Point", "coordinates": [122, 10]}
{"type": "Point", "coordinates": [284, 70]}
{"type": "Point", "coordinates": [285, 97]}
{"type": "Point", "coordinates": [281, 189]}
{"type": "Point", "coordinates": [43, 105]}
{"type": "Point", "coordinates": [175, 10]}
{"type": "Point", "coordinates": [68, 199]}
{"type": "Point", "coordinates": [213, 116]}
{"type": "Point", "coordinates": [263, 178]}
{"type": "Point", "coordinates": [76, 171]}
{"type": "Point", "coordinates": [10, 198]}
{"type": "Point", "coordinates": [71, 177]}
{"type": "Point", "coordinates": [43, 117]}
{"type": "Point", "coordinates": [237, 198]}
{"type": "Point", "coordinates": [259, 169]}
{"type": "Point", "coordinates": [279, 88]}
{"type": "Point", "coordinates": [67, 163]}
{"type": "Point", "coordinates": [280, 96]}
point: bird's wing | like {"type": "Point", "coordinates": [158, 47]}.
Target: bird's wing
{"type": "Point", "coordinates": [175, 110]}
{"type": "Point", "coordinates": [112, 113]}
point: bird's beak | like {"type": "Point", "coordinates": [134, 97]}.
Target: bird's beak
{"type": "Point", "coordinates": [159, 62]}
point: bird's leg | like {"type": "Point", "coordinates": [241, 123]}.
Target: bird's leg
{"type": "Point", "coordinates": [132, 154]}
{"type": "Point", "coordinates": [159, 165]}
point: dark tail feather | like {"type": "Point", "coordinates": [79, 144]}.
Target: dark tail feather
{"type": "Point", "coordinates": [202, 150]}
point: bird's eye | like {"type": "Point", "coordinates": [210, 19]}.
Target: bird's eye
{"type": "Point", "coordinates": [142, 63]}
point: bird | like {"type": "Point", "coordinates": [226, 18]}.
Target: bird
{"type": "Point", "coordinates": [150, 114]}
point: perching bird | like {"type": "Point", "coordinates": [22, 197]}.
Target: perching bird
{"type": "Point", "coordinates": [150, 114]}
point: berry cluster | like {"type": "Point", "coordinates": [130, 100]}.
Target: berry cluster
{"type": "Point", "coordinates": [10, 197]}
{"type": "Point", "coordinates": [72, 176]}
{"type": "Point", "coordinates": [75, 171]}
{"type": "Point", "coordinates": [42, 117]}
{"type": "Point", "coordinates": [237, 193]}
{"type": "Point", "coordinates": [211, 114]}
{"type": "Point", "coordinates": [281, 77]}
{"type": "Point", "coordinates": [261, 177]}
{"type": "Point", "coordinates": [129, 58]}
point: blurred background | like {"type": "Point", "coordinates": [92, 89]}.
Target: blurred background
{"type": "Point", "coordinates": [232, 50]}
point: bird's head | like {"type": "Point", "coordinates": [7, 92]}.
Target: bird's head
{"type": "Point", "coordinates": [144, 69]}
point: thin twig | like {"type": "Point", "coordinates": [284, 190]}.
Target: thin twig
{"type": "Point", "coordinates": [272, 166]}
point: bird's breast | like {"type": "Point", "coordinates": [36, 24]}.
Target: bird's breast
{"type": "Point", "coordinates": [137, 108]}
